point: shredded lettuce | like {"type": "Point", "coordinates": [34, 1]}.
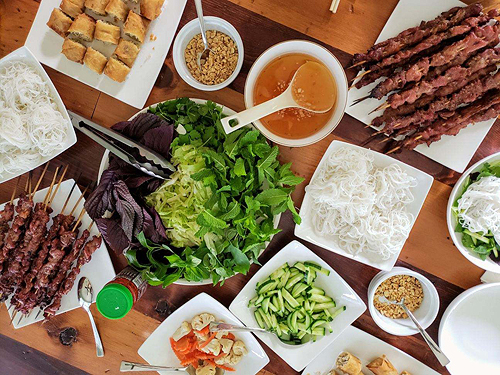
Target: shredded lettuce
{"type": "Point", "coordinates": [180, 200]}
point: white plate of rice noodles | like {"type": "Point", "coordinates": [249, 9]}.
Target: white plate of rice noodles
{"type": "Point", "coordinates": [34, 124]}
{"type": "Point", "coordinates": [362, 204]}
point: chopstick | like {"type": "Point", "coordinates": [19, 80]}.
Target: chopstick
{"type": "Point", "coordinates": [334, 6]}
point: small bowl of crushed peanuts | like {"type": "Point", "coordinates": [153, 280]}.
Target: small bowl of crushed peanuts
{"type": "Point", "coordinates": [420, 296]}
{"type": "Point", "coordinates": [224, 61]}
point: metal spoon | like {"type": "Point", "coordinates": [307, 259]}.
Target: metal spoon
{"type": "Point", "coordinates": [85, 298]}
{"type": "Point", "coordinates": [202, 56]}
{"type": "Point", "coordinates": [221, 326]}
{"type": "Point", "coordinates": [132, 366]}
{"type": "Point", "coordinates": [442, 358]}
{"type": "Point", "coordinates": [282, 101]}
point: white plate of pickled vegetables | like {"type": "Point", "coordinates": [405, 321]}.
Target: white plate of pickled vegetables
{"type": "Point", "coordinates": [300, 298]}
{"type": "Point", "coordinates": [182, 339]}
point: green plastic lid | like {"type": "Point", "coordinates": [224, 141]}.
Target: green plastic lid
{"type": "Point", "coordinates": [114, 301]}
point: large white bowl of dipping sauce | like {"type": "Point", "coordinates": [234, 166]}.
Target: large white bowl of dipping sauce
{"type": "Point", "coordinates": [271, 74]}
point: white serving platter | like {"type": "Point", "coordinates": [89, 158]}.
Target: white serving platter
{"type": "Point", "coordinates": [454, 152]}
{"type": "Point", "coordinates": [306, 229]}
{"type": "Point", "coordinates": [334, 285]}
{"type": "Point", "coordinates": [24, 55]}
{"type": "Point", "coordinates": [366, 347]}
{"type": "Point", "coordinates": [99, 270]}
{"type": "Point", "coordinates": [156, 349]}
{"type": "Point", "coordinates": [46, 46]}
{"type": "Point", "coordinates": [469, 332]}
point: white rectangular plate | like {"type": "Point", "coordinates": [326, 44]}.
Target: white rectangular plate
{"type": "Point", "coordinates": [156, 349]}
{"type": "Point", "coordinates": [454, 152]}
{"type": "Point", "coordinates": [300, 356]}
{"type": "Point", "coordinates": [46, 46]}
{"type": "Point", "coordinates": [24, 55]}
{"type": "Point", "coordinates": [366, 347]}
{"type": "Point", "coordinates": [307, 232]}
{"type": "Point", "coordinates": [99, 270]}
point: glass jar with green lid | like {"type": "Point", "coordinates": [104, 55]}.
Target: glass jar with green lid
{"type": "Point", "coordinates": [117, 298]}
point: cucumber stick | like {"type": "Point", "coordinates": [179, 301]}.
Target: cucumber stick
{"type": "Point", "coordinates": [290, 305]}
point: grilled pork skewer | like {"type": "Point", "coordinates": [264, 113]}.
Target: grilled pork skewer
{"type": "Point", "coordinates": [416, 34]}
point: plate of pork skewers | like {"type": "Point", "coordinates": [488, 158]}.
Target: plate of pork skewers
{"type": "Point", "coordinates": [423, 88]}
{"type": "Point", "coordinates": [47, 242]}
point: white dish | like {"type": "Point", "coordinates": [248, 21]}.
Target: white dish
{"type": "Point", "coordinates": [425, 314]}
{"type": "Point", "coordinates": [300, 356]}
{"type": "Point", "coordinates": [46, 46]}
{"type": "Point", "coordinates": [24, 55]}
{"type": "Point", "coordinates": [452, 152]}
{"type": "Point", "coordinates": [306, 230]}
{"type": "Point", "coordinates": [187, 33]}
{"type": "Point", "coordinates": [469, 332]}
{"type": "Point", "coordinates": [320, 53]}
{"type": "Point", "coordinates": [99, 270]}
{"type": "Point", "coordinates": [105, 163]}
{"type": "Point", "coordinates": [156, 349]}
{"type": "Point", "coordinates": [366, 347]}
{"type": "Point", "coordinates": [487, 264]}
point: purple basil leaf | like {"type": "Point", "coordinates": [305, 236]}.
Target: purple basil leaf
{"type": "Point", "coordinates": [139, 125]}
{"type": "Point", "coordinates": [101, 198]}
{"type": "Point", "coordinates": [153, 226]}
{"type": "Point", "coordinates": [113, 234]}
{"type": "Point", "coordinates": [123, 193]}
{"type": "Point", "coordinates": [159, 139]}
{"type": "Point", "coordinates": [127, 216]}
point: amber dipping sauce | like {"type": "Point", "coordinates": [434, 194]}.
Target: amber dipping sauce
{"type": "Point", "coordinates": [292, 123]}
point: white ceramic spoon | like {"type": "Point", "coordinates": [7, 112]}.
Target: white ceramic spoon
{"type": "Point", "coordinates": [282, 101]}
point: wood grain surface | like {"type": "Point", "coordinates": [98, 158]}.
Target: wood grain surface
{"type": "Point", "coordinates": [261, 23]}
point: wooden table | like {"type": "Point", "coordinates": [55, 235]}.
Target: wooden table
{"type": "Point", "coordinates": [261, 23]}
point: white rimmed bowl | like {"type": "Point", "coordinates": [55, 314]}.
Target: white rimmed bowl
{"type": "Point", "coordinates": [487, 264]}
{"type": "Point", "coordinates": [323, 55]}
{"type": "Point", "coordinates": [187, 33]}
{"type": "Point", "coordinates": [425, 314]}
{"type": "Point", "coordinates": [105, 163]}
{"type": "Point", "coordinates": [24, 55]}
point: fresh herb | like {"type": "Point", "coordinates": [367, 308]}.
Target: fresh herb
{"type": "Point", "coordinates": [248, 187]}
{"type": "Point", "coordinates": [482, 244]}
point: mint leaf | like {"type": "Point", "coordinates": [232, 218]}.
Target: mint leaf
{"type": "Point", "coordinates": [241, 262]}
{"type": "Point", "coordinates": [272, 197]}
{"type": "Point", "coordinates": [269, 158]}
{"type": "Point", "coordinates": [209, 220]}
{"type": "Point", "coordinates": [239, 167]}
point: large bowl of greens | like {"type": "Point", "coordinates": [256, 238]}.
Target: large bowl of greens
{"type": "Point", "coordinates": [473, 214]}
{"type": "Point", "coordinates": [215, 214]}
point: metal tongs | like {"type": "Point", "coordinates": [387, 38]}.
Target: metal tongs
{"type": "Point", "coordinates": [154, 164]}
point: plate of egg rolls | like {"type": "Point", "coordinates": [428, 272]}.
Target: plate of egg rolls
{"type": "Point", "coordinates": [356, 352]}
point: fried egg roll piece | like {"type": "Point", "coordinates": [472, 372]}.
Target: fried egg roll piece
{"type": "Point", "coordinates": [118, 9]}
{"type": "Point", "coordinates": [126, 52]}
{"type": "Point", "coordinates": [72, 7]}
{"type": "Point", "coordinates": [382, 366]}
{"type": "Point", "coordinates": [348, 363]}
{"type": "Point", "coordinates": [151, 9]}
{"type": "Point", "coordinates": [83, 28]}
{"type": "Point", "coordinates": [136, 26]}
{"type": "Point", "coordinates": [107, 32]}
{"type": "Point", "coordinates": [95, 60]}
{"type": "Point", "coordinates": [73, 50]}
{"type": "Point", "coordinates": [59, 22]}
{"type": "Point", "coordinates": [116, 70]}
{"type": "Point", "coordinates": [97, 6]}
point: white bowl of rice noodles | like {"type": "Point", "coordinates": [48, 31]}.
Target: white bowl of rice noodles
{"type": "Point", "coordinates": [34, 124]}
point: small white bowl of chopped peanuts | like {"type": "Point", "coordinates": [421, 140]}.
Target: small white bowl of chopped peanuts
{"type": "Point", "coordinates": [421, 297]}
{"type": "Point", "coordinates": [224, 61]}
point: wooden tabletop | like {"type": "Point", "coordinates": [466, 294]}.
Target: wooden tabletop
{"type": "Point", "coordinates": [262, 23]}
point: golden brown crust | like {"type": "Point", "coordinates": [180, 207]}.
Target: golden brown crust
{"type": "Point", "coordinates": [73, 50]}
{"type": "Point", "coordinates": [71, 8]}
{"type": "Point", "coordinates": [83, 27]}
{"type": "Point", "coordinates": [95, 60]}
{"type": "Point", "coordinates": [97, 6]}
{"type": "Point", "coordinates": [127, 52]}
{"type": "Point", "coordinates": [117, 9]}
{"type": "Point", "coordinates": [107, 32]}
{"type": "Point", "coordinates": [136, 26]}
{"type": "Point", "coordinates": [382, 366]}
{"type": "Point", "coordinates": [151, 9]}
{"type": "Point", "coordinates": [116, 70]}
{"type": "Point", "coordinates": [59, 22]}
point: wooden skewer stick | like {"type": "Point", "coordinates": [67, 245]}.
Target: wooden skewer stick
{"type": "Point", "coordinates": [393, 150]}
{"type": "Point", "coordinates": [40, 180]}
{"type": "Point", "coordinates": [21, 318]}
{"type": "Point", "coordinates": [79, 200]}
{"type": "Point", "coordinates": [38, 314]}
{"type": "Point", "coordinates": [15, 190]}
{"type": "Point", "coordinates": [357, 64]}
{"type": "Point", "coordinates": [90, 226]}
{"type": "Point", "coordinates": [58, 185]}
{"type": "Point", "coordinates": [30, 179]}
{"type": "Point", "coordinates": [79, 219]}
{"type": "Point", "coordinates": [385, 140]}
{"type": "Point", "coordinates": [13, 316]}
{"type": "Point", "coordinates": [26, 185]}
{"type": "Point", "coordinates": [359, 76]}
{"type": "Point", "coordinates": [69, 196]}
{"type": "Point", "coordinates": [380, 107]}
{"type": "Point", "coordinates": [51, 187]}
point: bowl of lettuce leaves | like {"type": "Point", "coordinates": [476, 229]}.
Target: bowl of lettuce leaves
{"type": "Point", "coordinates": [473, 214]}
{"type": "Point", "coordinates": [214, 216]}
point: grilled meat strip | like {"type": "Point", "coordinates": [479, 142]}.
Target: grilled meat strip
{"type": "Point", "coordinates": [6, 216]}
{"type": "Point", "coordinates": [475, 40]}
{"type": "Point", "coordinates": [83, 258]}
{"type": "Point", "coordinates": [416, 34]}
